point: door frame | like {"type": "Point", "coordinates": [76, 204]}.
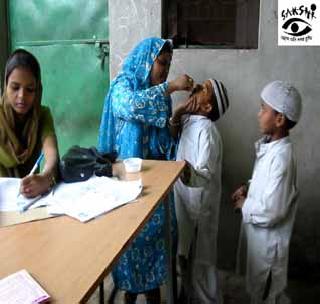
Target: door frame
{"type": "Point", "coordinates": [4, 39]}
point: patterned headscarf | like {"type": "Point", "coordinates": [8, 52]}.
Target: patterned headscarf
{"type": "Point", "coordinates": [139, 62]}
{"type": "Point", "coordinates": [16, 150]}
{"type": "Point", "coordinates": [136, 70]}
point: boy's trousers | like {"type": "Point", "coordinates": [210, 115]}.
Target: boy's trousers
{"type": "Point", "coordinates": [280, 299]}
{"type": "Point", "coordinates": [199, 281]}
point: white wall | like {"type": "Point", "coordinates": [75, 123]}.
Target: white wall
{"type": "Point", "coordinates": [244, 73]}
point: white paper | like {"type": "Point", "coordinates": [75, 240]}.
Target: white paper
{"type": "Point", "coordinates": [45, 200]}
{"type": "Point", "coordinates": [21, 288]}
{"type": "Point", "coordinates": [23, 203]}
{"type": "Point", "coordinates": [9, 189]}
{"type": "Point", "coordinates": [82, 200]}
{"type": "Point", "coordinates": [88, 199]}
{"type": "Point", "coordinates": [9, 194]}
{"type": "Point", "coordinates": [11, 200]}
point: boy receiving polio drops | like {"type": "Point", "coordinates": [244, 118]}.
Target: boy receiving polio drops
{"type": "Point", "coordinates": [198, 191]}
{"type": "Point", "coordinates": [269, 205]}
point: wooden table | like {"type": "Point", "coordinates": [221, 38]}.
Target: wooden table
{"type": "Point", "coordinates": [69, 258]}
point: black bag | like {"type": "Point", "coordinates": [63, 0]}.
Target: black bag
{"type": "Point", "coordinates": [79, 164]}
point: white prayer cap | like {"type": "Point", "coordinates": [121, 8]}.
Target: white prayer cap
{"type": "Point", "coordinates": [284, 98]}
{"type": "Point", "coordinates": [221, 95]}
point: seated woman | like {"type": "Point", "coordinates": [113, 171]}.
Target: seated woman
{"type": "Point", "coordinates": [135, 124]}
{"type": "Point", "coordinates": [26, 127]}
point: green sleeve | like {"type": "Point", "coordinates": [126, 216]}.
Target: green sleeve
{"type": "Point", "coordinates": [46, 123]}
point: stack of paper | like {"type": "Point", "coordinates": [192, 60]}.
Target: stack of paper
{"type": "Point", "coordinates": [23, 203]}
{"type": "Point", "coordinates": [9, 189]}
{"type": "Point", "coordinates": [11, 200]}
{"type": "Point", "coordinates": [82, 200]}
{"type": "Point", "coordinates": [21, 288]}
{"type": "Point", "coordinates": [98, 195]}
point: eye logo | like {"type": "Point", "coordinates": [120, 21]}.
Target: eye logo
{"type": "Point", "coordinates": [292, 25]}
{"type": "Point", "coordinates": [298, 22]}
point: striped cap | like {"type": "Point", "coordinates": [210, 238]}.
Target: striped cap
{"type": "Point", "coordinates": [221, 96]}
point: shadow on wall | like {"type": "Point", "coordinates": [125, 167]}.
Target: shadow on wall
{"type": "Point", "coordinates": [304, 259]}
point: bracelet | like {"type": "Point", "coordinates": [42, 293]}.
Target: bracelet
{"type": "Point", "coordinates": [52, 181]}
{"type": "Point", "coordinates": [173, 124]}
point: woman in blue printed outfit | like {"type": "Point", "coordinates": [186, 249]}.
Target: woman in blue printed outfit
{"type": "Point", "coordinates": [135, 124]}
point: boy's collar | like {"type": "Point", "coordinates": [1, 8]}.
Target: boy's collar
{"type": "Point", "coordinates": [264, 144]}
{"type": "Point", "coordinates": [267, 139]}
{"type": "Point", "coordinates": [192, 117]}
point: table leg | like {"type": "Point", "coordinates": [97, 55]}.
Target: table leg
{"type": "Point", "coordinates": [171, 264]}
{"type": "Point", "coordinates": [101, 293]}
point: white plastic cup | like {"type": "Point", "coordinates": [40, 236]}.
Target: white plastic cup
{"type": "Point", "coordinates": [133, 164]}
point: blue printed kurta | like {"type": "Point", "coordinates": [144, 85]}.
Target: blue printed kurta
{"type": "Point", "coordinates": [134, 124]}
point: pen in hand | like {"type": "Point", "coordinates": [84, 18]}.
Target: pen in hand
{"type": "Point", "coordinates": [35, 167]}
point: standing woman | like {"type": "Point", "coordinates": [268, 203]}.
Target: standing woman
{"type": "Point", "coordinates": [26, 127]}
{"type": "Point", "coordinates": [135, 124]}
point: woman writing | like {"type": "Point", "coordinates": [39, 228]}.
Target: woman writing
{"type": "Point", "coordinates": [26, 127]}
{"type": "Point", "coordinates": [135, 124]}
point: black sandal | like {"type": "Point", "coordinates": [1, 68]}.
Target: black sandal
{"type": "Point", "coordinates": [153, 296]}
{"type": "Point", "coordinates": [130, 298]}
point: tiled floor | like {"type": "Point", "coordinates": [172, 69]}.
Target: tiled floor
{"type": "Point", "coordinates": [300, 292]}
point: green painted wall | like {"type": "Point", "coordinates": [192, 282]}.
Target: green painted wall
{"type": "Point", "coordinates": [70, 40]}
{"type": "Point", "coordinates": [3, 40]}
{"type": "Point", "coordinates": [47, 20]}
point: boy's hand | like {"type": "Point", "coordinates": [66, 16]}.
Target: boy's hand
{"type": "Point", "coordinates": [186, 173]}
{"type": "Point", "coordinates": [239, 196]}
{"type": "Point", "coordinates": [239, 203]}
{"type": "Point", "coordinates": [241, 192]}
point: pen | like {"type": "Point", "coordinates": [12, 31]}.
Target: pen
{"type": "Point", "coordinates": [35, 167]}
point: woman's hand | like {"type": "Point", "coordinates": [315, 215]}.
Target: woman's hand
{"type": "Point", "coordinates": [181, 83]}
{"type": "Point", "coordinates": [188, 107]}
{"type": "Point", "coordinates": [37, 184]}
{"type": "Point", "coordinates": [192, 106]}
{"type": "Point", "coordinates": [34, 185]}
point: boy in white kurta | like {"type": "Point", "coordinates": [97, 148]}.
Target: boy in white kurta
{"type": "Point", "coordinates": [269, 206]}
{"type": "Point", "coordinates": [198, 192]}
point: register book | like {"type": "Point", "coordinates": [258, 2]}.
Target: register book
{"type": "Point", "coordinates": [21, 288]}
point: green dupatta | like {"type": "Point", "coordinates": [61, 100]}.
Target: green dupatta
{"type": "Point", "coordinates": [17, 151]}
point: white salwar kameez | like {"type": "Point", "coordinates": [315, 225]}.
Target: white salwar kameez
{"type": "Point", "coordinates": [197, 207]}
{"type": "Point", "coordinates": [268, 217]}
